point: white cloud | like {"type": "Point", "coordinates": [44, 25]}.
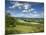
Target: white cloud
{"type": "Point", "coordinates": [11, 6]}
{"type": "Point", "coordinates": [19, 7]}
{"type": "Point", "coordinates": [29, 15]}
{"type": "Point", "coordinates": [25, 11]}
{"type": "Point", "coordinates": [29, 10]}
{"type": "Point", "coordinates": [16, 4]}
{"type": "Point", "coordinates": [35, 16]}
{"type": "Point", "coordinates": [32, 9]}
{"type": "Point", "coordinates": [26, 6]}
{"type": "Point", "coordinates": [34, 12]}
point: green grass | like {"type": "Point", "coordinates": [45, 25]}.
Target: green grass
{"type": "Point", "coordinates": [29, 27]}
{"type": "Point", "coordinates": [25, 27]}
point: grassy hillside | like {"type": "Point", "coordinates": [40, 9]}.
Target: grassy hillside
{"type": "Point", "coordinates": [26, 25]}
{"type": "Point", "coordinates": [29, 27]}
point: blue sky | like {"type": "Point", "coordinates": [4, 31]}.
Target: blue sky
{"type": "Point", "coordinates": [25, 9]}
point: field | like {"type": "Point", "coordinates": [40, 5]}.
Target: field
{"type": "Point", "coordinates": [24, 26]}
{"type": "Point", "coordinates": [29, 27]}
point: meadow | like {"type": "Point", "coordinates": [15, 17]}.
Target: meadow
{"type": "Point", "coordinates": [29, 27]}
{"type": "Point", "coordinates": [22, 26]}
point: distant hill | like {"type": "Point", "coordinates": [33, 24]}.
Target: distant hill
{"type": "Point", "coordinates": [30, 19]}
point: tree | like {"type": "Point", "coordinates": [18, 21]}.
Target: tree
{"type": "Point", "coordinates": [9, 20]}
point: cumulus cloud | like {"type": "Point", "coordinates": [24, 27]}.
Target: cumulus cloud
{"type": "Point", "coordinates": [32, 9]}
{"type": "Point", "coordinates": [29, 10]}
{"type": "Point", "coordinates": [26, 6]}
{"type": "Point", "coordinates": [20, 5]}
{"type": "Point", "coordinates": [24, 11]}
{"type": "Point", "coordinates": [16, 4]}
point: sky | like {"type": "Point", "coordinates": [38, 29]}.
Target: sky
{"type": "Point", "coordinates": [25, 9]}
